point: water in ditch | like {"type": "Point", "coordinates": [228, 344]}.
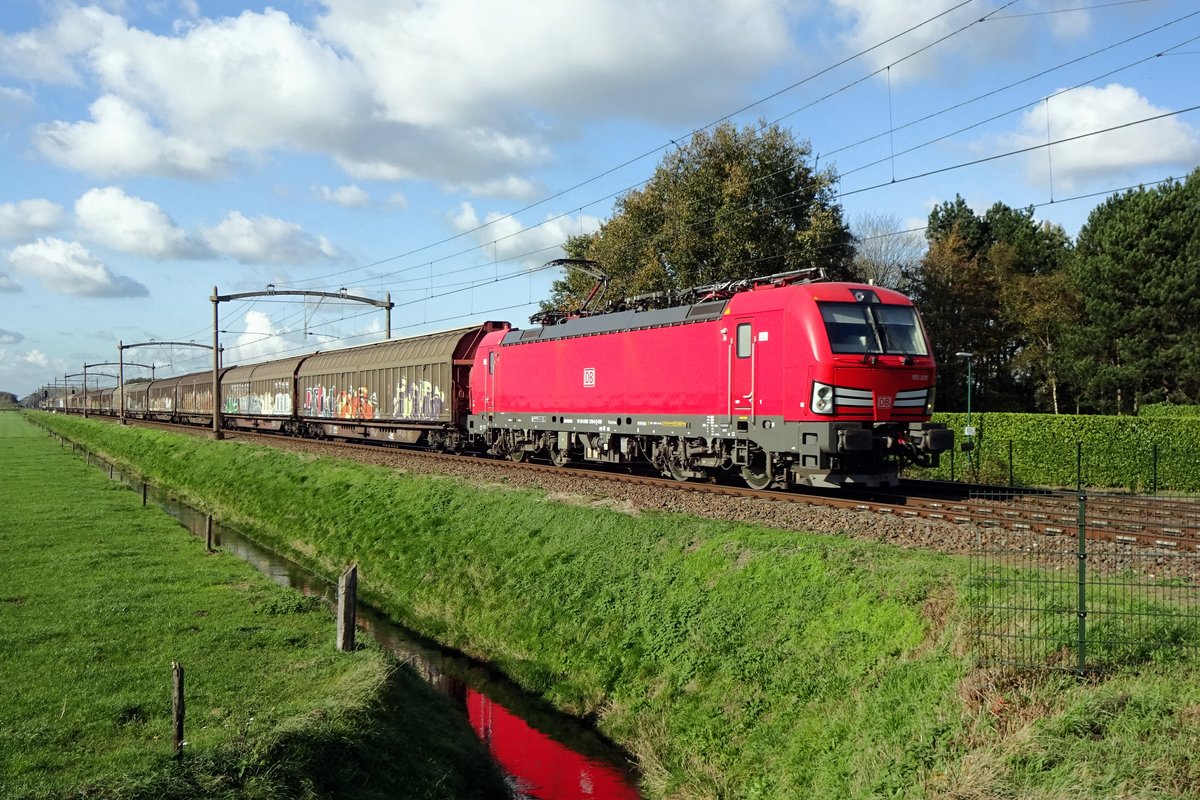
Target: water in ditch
{"type": "Point", "coordinates": [547, 755]}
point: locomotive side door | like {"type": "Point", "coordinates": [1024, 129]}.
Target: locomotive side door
{"type": "Point", "coordinates": [741, 374]}
{"type": "Point", "coordinates": [489, 381]}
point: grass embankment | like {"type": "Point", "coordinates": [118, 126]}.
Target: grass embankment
{"type": "Point", "coordinates": [100, 595]}
{"type": "Point", "coordinates": [735, 661]}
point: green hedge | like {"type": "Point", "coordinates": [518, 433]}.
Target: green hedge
{"type": "Point", "coordinates": [1169, 410]}
{"type": "Point", "coordinates": [1138, 453]}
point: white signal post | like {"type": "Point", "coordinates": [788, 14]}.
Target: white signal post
{"type": "Point", "coordinates": [969, 430]}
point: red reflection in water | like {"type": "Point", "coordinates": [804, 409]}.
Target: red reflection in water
{"type": "Point", "coordinates": [543, 768]}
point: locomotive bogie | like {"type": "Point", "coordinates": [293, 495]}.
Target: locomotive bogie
{"type": "Point", "coordinates": [801, 454]}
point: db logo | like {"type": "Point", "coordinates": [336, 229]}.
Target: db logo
{"type": "Point", "coordinates": [885, 402]}
{"type": "Point", "coordinates": [589, 378]}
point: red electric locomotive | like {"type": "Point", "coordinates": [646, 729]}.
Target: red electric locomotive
{"type": "Point", "coordinates": [781, 381]}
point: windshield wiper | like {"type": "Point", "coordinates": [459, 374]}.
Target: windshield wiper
{"type": "Point", "coordinates": [879, 333]}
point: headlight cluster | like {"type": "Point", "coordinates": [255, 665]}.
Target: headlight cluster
{"type": "Point", "coordinates": [929, 401]}
{"type": "Point", "coordinates": [822, 398]}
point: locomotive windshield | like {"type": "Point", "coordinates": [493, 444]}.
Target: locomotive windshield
{"type": "Point", "coordinates": [864, 328]}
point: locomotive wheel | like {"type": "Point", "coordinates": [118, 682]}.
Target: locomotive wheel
{"type": "Point", "coordinates": [677, 471]}
{"type": "Point", "coordinates": [758, 473]}
{"type": "Point", "coordinates": [672, 456]}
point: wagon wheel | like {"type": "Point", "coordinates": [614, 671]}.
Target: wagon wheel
{"type": "Point", "coordinates": [518, 455]}
{"type": "Point", "coordinates": [758, 474]}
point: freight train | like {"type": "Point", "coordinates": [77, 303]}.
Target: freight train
{"type": "Point", "coordinates": [778, 381]}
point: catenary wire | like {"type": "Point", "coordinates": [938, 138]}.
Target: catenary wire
{"type": "Point", "coordinates": [472, 268]}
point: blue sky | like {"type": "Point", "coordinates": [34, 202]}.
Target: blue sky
{"type": "Point", "coordinates": [443, 150]}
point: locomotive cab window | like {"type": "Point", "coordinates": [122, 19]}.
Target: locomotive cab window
{"type": "Point", "coordinates": [866, 328]}
{"type": "Point", "coordinates": [744, 338]}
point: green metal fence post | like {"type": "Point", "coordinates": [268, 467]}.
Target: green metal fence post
{"type": "Point", "coordinates": [1081, 609]}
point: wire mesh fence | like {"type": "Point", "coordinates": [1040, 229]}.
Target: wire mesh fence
{"type": "Point", "coordinates": [1086, 582]}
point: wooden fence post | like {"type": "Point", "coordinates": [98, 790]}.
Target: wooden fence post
{"type": "Point", "coordinates": [177, 708]}
{"type": "Point", "coordinates": [347, 589]}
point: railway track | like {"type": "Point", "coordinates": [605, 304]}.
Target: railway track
{"type": "Point", "coordinates": [1159, 523]}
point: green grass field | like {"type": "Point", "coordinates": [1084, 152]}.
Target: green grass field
{"type": "Point", "coordinates": [734, 661]}
{"type": "Point", "coordinates": [99, 595]}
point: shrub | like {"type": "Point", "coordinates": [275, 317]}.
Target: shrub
{"type": "Point", "coordinates": [1138, 453]}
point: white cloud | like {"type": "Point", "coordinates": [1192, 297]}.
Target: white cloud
{"type": "Point", "coordinates": [14, 103]}
{"type": "Point", "coordinates": [68, 268]}
{"type": "Point", "coordinates": [504, 238]}
{"type": "Point", "coordinates": [510, 187]}
{"type": "Point", "coordinates": [465, 63]}
{"type": "Point", "coordinates": [874, 21]}
{"type": "Point", "coordinates": [370, 166]}
{"type": "Point", "coordinates": [1165, 143]}
{"type": "Point", "coordinates": [388, 151]}
{"type": "Point", "coordinates": [132, 225]}
{"type": "Point", "coordinates": [871, 22]}
{"type": "Point", "coordinates": [260, 339]}
{"type": "Point", "coordinates": [348, 196]}
{"type": "Point", "coordinates": [28, 218]}
{"type": "Point", "coordinates": [13, 96]}
{"type": "Point", "coordinates": [10, 337]}
{"type": "Point", "coordinates": [36, 357]}
{"type": "Point", "coordinates": [121, 139]}
{"type": "Point", "coordinates": [462, 93]}
{"type": "Point", "coordinates": [50, 53]}
{"type": "Point", "coordinates": [252, 81]}
{"type": "Point", "coordinates": [465, 220]}
{"type": "Point", "coordinates": [266, 240]}
{"type": "Point", "coordinates": [1065, 26]}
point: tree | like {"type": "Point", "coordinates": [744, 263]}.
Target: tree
{"type": "Point", "coordinates": [958, 218]}
{"type": "Point", "coordinates": [1137, 273]}
{"type": "Point", "coordinates": [883, 250]}
{"type": "Point", "coordinates": [729, 204]}
{"type": "Point", "coordinates": [955, 298]}
{"type": "Point", "coordinates": [981, 288]}
{"type": "Point", "coordinates": [1045, 307]}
